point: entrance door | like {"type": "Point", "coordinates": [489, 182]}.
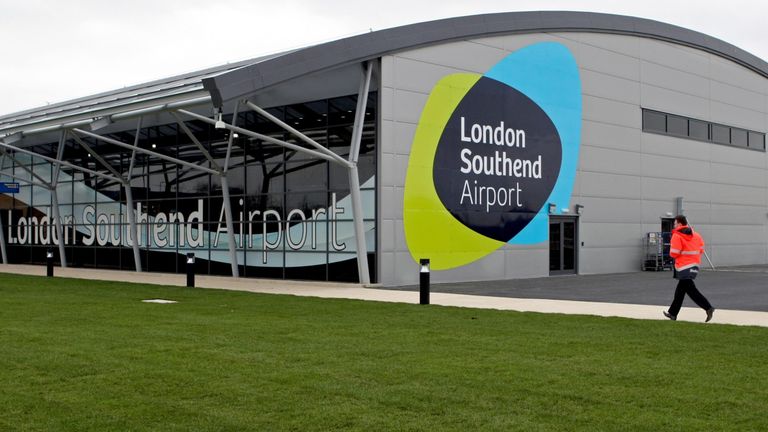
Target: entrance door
{"type": "Point", "coordinates": [667, 224]}
{"type": "Point", "coordinates": [562, 245]}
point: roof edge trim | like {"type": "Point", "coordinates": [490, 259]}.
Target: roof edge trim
{"type": "Point", "coordinates": [317, 58]}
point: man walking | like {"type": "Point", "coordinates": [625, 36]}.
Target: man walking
{"type": "Point", "coordinates": [686, 248]}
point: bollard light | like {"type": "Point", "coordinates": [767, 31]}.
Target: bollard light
{"type": "Point", "coordinates": [424, 281]}
{"type": "Point", "coordinates": [190, 270]}
{"type": "Point", "coordinates": [49, 262]}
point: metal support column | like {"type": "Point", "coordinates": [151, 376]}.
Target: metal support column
{"type": "Point", "coordinates": [230, 226]}
{"type": "Point", "coordinates": [354, 179]}
{"type": "Point", "coordinates": [59, 230]}
{"type": "Point", "coordinates": [227, 203]}
{"type": "Point", "coordinates": [55, 199]}
{"type": "Point", "coordinates": [2, 235]}
{"type": "Point", "coordinates": [134, 234]}
{"type": "Point", "coordinates": [2, 241]}
{"type": "Point", "coordinates": [357, 214]}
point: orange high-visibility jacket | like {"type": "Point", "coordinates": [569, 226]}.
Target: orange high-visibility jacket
{"type": "Point", "coordinates": [686, 247]}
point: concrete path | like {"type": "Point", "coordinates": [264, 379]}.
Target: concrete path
{"type": "Point", "coordinates": [477, 298]}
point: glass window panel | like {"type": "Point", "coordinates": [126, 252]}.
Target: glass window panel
{"type": "Point", "coordinates": [677, 125]}
{"type": "Point", "coordinates": [107, 190]}
{"type": "Point", "coordinates": [342, 236]}
{"type": "Point", "coordinates": [110, 209]}
{"type": "Point", "coordinates": [569, 245]}
{"type": "Point", "coordinates": [307, 115]}
{"type": "Point", "coordinates": [308, 203]}
{"type": "Point", "coordinates": [654, 121]}
{"type": "Point", "coordinates": [64, 193]}
{"type": "Point", "coordinates": [313, 272]}
{"type": "Point", "coordinates": [305, 259]}
{"type": "Point", "coordinates": [265, 258]}
{"type": "Point", "coordinates": [82, 193]}
{"type": "Point", "coordinates": [192, 182]}
{"type": "Point", "coordinates": [343, 267]}
{"type": "Point", "coordinates": [756, 140]}
{"type": "Point", "coordinates": [342, 110]}
{"type": "Point", "coordinates": [43, 170]}
{"type": "Point", "coordinates": [305, 236]}
{"type": "Point", "coordinates": [721, 134]}
{"type": "Point", "coordinates": [264, 152]}
{"type": "Point", "coordinates": [339, 138]}
{"type": "Point", "coordinates": [235, 176]}
{"type": "Point", "coordinates": [265, 178]}
{"type": "Point", "coordinates": [310, 175]}
{"type": "Point", "coordinates": [554, 246]}
{"type": "Point", "coordinates": [366, 170]}
{"type": "Point", "coordinates": [369, 203]}
{"type": "Point", "coordinates": [368, 140]}
{"type": "Point", "coordinates": [739, 137]}
{"type": "Point", "coordinates": [162, 175]}
{"type": "Point", "coordinates": [698, 129]}
{"type": "Point", "coordinates": [256, 205]}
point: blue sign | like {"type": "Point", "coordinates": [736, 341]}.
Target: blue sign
{"type": "Point", "coordinates": [9, 187]}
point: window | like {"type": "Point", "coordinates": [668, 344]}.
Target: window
{"type": "Point", "coordinates": [677, 125]}
{"type": "Point", "coordinates": [756, 141]}
{"type": "Point", "coordinates": [738, 137]}
{"type": "Point", "coordinates": [721, 134]}
{"type": "Point", "coordinates": [654, 121]}
{"type": "Point", "coordinates": [698, 129]}
{"type": "Point", "coordinates": [684, 127]}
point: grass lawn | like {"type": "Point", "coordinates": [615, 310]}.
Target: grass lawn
{"type": "Point", "coordinates": [83, 355]}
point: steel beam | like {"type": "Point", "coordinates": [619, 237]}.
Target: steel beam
{"type": "Point", "coordinates": [145, 151]}
{"type": "Point", "coordinates": [27, 169]}
{"type": "Point", "coordinates": [195, 140]}
{"type": "Point", "coordinates": [362, 103]}
{"type": "Point", "coordinates": [129, 202]}
{"type": "Point", "coordinates": [354, 179]}
{"type": "Point", "coordinates": [296, 133]}
{"type": "Point", "coordinates": [230, 226]}
{"type": "Point", "coordinates": [231, 137]}
{"type": "Point", "coordinates": [228, 204]}
{"type": "Point", "coordinates": [96, 156]}
{"type": "Point", "coordinates": [266, 138]}
{"type": "Point", "coordinates": [59, 231]}
{"type": "Point", "coordinates": [55, 199]}
{"type": "Point", "coordinates": [53, 161]}
{"type": "Point", "coordinates": [2, 241]}
{"type": "Point", "coordinates": [357, 215]}
{"type": "Point", "coordinates": [23, 180]}
{"type": "Point", "coordinates": [60, 124]}
{"type": "Point", "coordinates": [59, 157]}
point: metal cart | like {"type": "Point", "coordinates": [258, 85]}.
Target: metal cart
{"type": "Point", "coordinates": [656, 251]}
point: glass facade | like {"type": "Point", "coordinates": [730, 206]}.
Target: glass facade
{"type": "Point", "coordinates": [291, 211]}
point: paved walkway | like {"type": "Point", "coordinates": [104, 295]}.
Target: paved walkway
{"type": "Point", "coordinates": [631, 295]}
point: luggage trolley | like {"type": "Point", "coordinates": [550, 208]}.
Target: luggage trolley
{"type": "Point", "coordinates": [656, 251]}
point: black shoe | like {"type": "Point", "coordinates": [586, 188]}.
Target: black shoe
{"type": "Point", "coordinates": [710, 312]}
{"type": "Point", "coordinates": [670, 316]}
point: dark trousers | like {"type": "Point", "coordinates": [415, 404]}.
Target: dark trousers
{"type": "Point", "coordinates": [686, 286]}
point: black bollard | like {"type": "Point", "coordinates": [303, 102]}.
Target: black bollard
{"type": "Point", "coordinates": [424, 281]}
{"type": "Point", "coordinates": [191, 270]}
{"type": "Point", "coordinates": [49, 262]}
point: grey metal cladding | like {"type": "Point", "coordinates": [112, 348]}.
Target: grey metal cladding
{"type": "Point", "coordinates": [367, 46]}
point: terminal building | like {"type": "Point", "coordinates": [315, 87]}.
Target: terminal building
{"type": "Point", "coordinates": [501, 146]}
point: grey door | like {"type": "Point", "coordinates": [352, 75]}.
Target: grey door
{"type": "Point", "coordinates": [563, 239]}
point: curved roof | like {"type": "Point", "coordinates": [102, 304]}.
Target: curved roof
{"type": "Point", "coordinates": [231, 81]}
{"type": "Point", "coordinates": [368, 46]}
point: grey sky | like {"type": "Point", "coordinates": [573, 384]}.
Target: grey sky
{"type": "Point", "coordinates": [57, 50]}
